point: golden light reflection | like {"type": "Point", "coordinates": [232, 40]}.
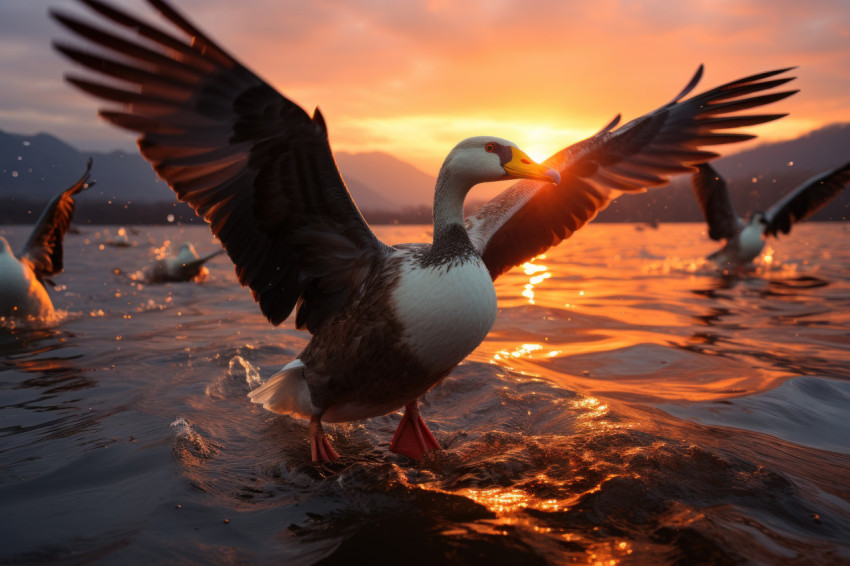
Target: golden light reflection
{"type": "Point", "coordinates": [507, 500]}
{"type": "Point", "coordinates": [549, 505]}
{"type": "Point", "coordinates": [594, 407]}
{"type": "Point", "coordinates": [593, 413]}
{"type": "Point", "coordinates": [521, 351]}
{"type": "Point", "coordinates": [508, 503]}
{"type": "Point", "coordinates": [609, 553]}
{"type": "Point", "coordinates": [539, 273]}
{"type": "Point", "coordinates": [768, 256]}
{"type": "Point", "coordinates": [499, 500]}
{"type": "Point", "coordinates": [531, 269]}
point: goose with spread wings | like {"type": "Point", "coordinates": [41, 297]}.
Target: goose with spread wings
{"type": "Point", "coordinates": [745, 240]}
{"type": "Point", "coordinates": [23, 296]}
{"type": "Point", "coordinates": [387, 322]}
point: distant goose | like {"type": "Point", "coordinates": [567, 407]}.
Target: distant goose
{"type": "Point", "coordinates": [120, 240]}
{"type": "Point", "coordinates": [186, 266]}
{"type": "Point", "coordinates": [745, 240]}
{"type": "Point", "coordinates": [388, 322]}
{"type": "Point", "coordinates": [22, 292]}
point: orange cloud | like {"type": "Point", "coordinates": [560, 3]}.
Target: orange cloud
{"type": "Point", "coordinates": [412, 78]}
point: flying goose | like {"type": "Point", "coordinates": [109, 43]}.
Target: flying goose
{"type": "Point", "coordinates": [22, 292]}
{"type": "Point", "coordinates": [187, 265]}
{"type": "Point", "coordinates": [387, 322]}
{"type": "Point", "coordinates": [745, 240]}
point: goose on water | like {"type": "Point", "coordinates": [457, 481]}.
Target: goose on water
{"type": "Point", "coordinates": [23, 296]}
{"type": "Point", "coordinates": [121, 240]}
{"type": "Point", "coordinates": [387, 322]}
{"type": "Point", "coordinates": [187, 265]}
{"type": "Point", "coordinates": [745, 240]}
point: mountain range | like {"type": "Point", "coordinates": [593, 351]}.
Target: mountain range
{"type": "Point", "coordinates": [33, 168]}
{"type": "Point", "coordinates": [756, 177]}
{"type": "Point", "coordinates": [39, 165]}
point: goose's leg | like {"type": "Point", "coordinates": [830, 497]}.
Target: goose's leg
{"type": "Point", "coordinates": [412, 437]}
{"type": "Point", "coordinates": [320, 448]}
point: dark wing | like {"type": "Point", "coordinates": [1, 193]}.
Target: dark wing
{"type": "Point", "coordinates": [249, 161]}
{"type": "Point", "coordinates": [713, 198]}
{"type": "Point", "coordinates": [530, 216]}
{"type": "Point", "coordinates": [43, 250]}
{"type": "Point", "coordinates": [806, 199]}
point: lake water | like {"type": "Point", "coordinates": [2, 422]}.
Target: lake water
{"type": "Point", "coordinates": [628, 407]}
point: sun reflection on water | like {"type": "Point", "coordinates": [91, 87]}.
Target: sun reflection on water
{"type": "Point", "coordinates": [592, 407]}
{"type": "Point", "coordinates": [768, 257]}
{"type": "Point", "coordinates": [538, 273]}
{"type": "Point", "coordinates": [523, 350]}
{"type": "Point", "coordinates": [500, 500]}
{"type": "Point", "coordinates": [510, 503]}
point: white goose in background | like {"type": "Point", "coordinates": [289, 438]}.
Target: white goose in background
{"type": "Point", "coordinates": [187, 265]}
{"type": "Point", "coordinates": [745, 240]}
{"type": "Point", "coordinates": [23, 296]}
{"type": "Point", "coordinates": [387, 322]}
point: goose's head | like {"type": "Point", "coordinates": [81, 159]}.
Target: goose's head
{"type": "Point", "coordinates": [485, 158]}
{"type": "Point", "coordinates": [758, 219]}
{"type": "Point", "coordinates": [187, 252]}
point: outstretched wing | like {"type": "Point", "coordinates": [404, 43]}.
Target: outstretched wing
{"type": "Point", "coordinates": [529, 217]}
{"type": "Point", "coordinates": [43, 250]}
{"type": "Point", "coordinates": [713, 198]}
{"type": "Point", "coordinates": [806, 199]}
{"type": "Point", "coordinates": [248, 160]}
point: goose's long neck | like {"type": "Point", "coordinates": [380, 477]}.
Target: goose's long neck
{"type": "Point", "coordinates": [449, 230]}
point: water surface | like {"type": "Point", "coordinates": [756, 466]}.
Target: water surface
{"type": "Point", "coordinates": [630, 406]}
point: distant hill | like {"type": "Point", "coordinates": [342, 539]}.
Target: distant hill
{"type": "Point", "coordinates": [38, 166]}
{"type": "Point", "coordinates": [33, 168]}
{"type": "Point", "coordinates": [388, 176]}
{"type": "Point", "coordinates": [757, 178]}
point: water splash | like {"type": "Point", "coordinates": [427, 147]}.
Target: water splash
{"type": "Point", "coordinates": [240, 367]}
{"type": "Point", "coordinates": [51, 320]}
{"type": "Point", "coordinates": [190, 447]}
{"type": "Point", "coordinates": [240, 378]}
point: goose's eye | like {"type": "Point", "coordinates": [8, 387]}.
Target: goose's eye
{"type": "Point", "coordinates": [490, 147]}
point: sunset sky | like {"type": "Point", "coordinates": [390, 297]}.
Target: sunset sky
{"type": "Point", "coordinates": [414, 77]}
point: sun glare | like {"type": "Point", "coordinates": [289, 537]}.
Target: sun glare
{"type": "Point", "coordinates": [436, 135]}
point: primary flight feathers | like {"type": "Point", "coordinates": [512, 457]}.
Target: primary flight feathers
{"type": "Point", "coordinates": [528, 218]}
{"type": "Point", "coordinates": [43, 250]}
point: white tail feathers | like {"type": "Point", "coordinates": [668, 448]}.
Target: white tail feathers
{"type": "Point", "coordinates": [285, 392]}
